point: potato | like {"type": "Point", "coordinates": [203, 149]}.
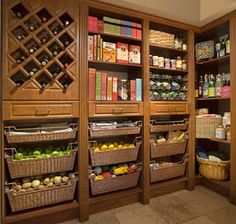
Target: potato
{"type": "Point", "coordinates": [26, 185]}
{"type": "Point", "coordinates": [29, 189]}
{"type": "Point", "coordinates": [57, 180]}
{"type": "Point", "coordinates": [17, 187]}
{"type": "Point", "coordinates": [22, 190]}
{"type": "Point", "coordinates": [50, 184]}
{"type": "Point", "coordinates": [42, 187]}
{"type": "Point", "coordinates": [46, 181]}
{"type": "Point", "coordinates": [35, 184]}
{"type": "Point", "coordinates": [71, 176]}
{"type": "Point", "coordinates": [65, 179]}
{"type": "Point", "coordinates": [51, 179]}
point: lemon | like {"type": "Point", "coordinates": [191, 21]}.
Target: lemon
{"type": "Point", "coordinates": [96, 149]}
{"type": "Point", "coordinates": [125, 145]}
{"type": "Point", "coordinates": [131, 146]}
{"type": "Point", "coordinates": [104, 147]}
{"type": "Point", "coordinates": [115, 144]}
{"type": "Point", "coordinates": [120, 147]}
{"type": "Point", "coordinates": [111, 146]}
{"type": "Point", "coordinates": [115, 148]}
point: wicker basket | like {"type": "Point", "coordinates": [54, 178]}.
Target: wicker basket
{"type": "Point", "coordinates": [162, 126]}
{"type": "Point", "coordinates": [214, 170]}
{"type": "Point", "coordinates": [176, 170]}
{"type": "Point", "coordinates": [115, 156]}
{"type": "Point", "coordinates": [39, 198]}
{"type": "Point", "coordinates": [117, 130]}
{"type": "Point", "coordinates": [161, 38]}
{"type": "Point", "coordinates": [206, 126]}
{"type": "Point", "coordinates": [18, 135]}
{"type": "Point", "coordinates": [114, 184]}
{"type": "Point", "coordinates": [32, 167]}
{"type": "Point", "coordinates": [167, 149]}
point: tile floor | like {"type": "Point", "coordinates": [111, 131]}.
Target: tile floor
{"type": "Point", "coordinates": [201, 206]}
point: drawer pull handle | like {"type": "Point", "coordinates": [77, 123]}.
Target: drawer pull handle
{"type": "Point", "coordinates": [117, 111]}
{"type": "Point", "coordinates": [42, 112]}
{"type": "Point", "coordinates": [172, 109]}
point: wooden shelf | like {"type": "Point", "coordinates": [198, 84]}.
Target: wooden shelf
{"type": "Point", "coordinates": [117, 36]}
{"type": "Point", "coordinates": [168, 48]}
{"type": "Point", "coordinates": [220, 141]}
{"type": "Point", "coordinates": [221, 187]}
{"type": "Point", "coordinates": [38, 212]}
{"type": "Point", "coordinates": [210, 99]}
{"type": "Point", "coordinates": [114, 195]}
{"type": "Point", "coordinates": [215, 61]}
{"type": "Point", "coordinates": [169, 70]}
{"type": "Point", "coordinates": [166, 183]}
{"type": "Point", "coordinates": [113, 66]}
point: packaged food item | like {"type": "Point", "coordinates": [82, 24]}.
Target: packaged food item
{"type": "Point", "coordinates": [179, 63]}
{"type": "Point", "coordinates": [161, 62]}
{"type": "Point", "coordinates": [184, 64]}
{"type": "Point", "coordinates": [226, 119]}
{"type": "Point", "coordinates": [155, 60]}
{"type": "Point", "coordinates": [134, 54]}
{"type": "Point", "coordinates": [167, 63]}
{"type": "Point", "coordinates": [122, 53]}
{"type": "Point", "coordinates": [173, 64]}
{"type": "Point", "coordinates": [109, 52]}
{"type": "Point", "coordinates": [123, 90]}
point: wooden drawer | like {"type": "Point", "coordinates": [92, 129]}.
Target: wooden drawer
{"type": "Point", "coordinates": [100, 109]}
{"type": "Point", "coordinates": [15, 110]}
{"type": "Point", "coordinates": [168, 108]}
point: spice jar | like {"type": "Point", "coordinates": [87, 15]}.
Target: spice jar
{"type": "Point", "coordinates": [184, 64]}
{"type": "Point", "coordinates": [179, 63]}
{"type": "Point", "coordinates": [167, 63]}
{"type": "Point", "coordinates": [173, 64]}
{"type": "Point", "coordinates": [220, 132]}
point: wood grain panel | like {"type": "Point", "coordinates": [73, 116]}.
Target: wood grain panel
{"type": "Point", "coordinates": [167, 108]}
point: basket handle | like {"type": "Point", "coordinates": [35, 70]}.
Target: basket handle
{"type": "Point", "coordinates": [13, 151]}
{"type": "Point", "coordinates": [137, 140]}
{"type": "Point", "coordinates": [71, 144]}
{"type": "Point", "coordinates": [92, 142]}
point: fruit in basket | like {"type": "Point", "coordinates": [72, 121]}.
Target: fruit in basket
{"type": "Point", "coordinates": [111, 147]}
{"type": "Point", "coordinates": [104, 147]}
{"type": "Point", "coordinates": [18, 156]}
{"type": "Point", "coordinates": [131, 146]}
{"type": "Point", "coordinates": [98, 170]}
{"type": "Point", "coordinates": [36, 153]}
{"type": "Point", "coordinates": [57, 180]}
{"type": "Point", "coordinates": [49, 150]}
{"type": "Point", "coordinates": [60, 153]}
{"type": "Point", "coordinates": [35, 184]}
{"type": "Point", "coordinates": [72, 176]}
{"type": "Point", "coordinates": [26, 185]}
{"type": "Point", "coordinates": [65, 179]}
{"type": "Point", "coordinates": [99, 177]}
{"type": "Point", "coordinates": [121, 170]}
{"type": "Point", "coordinates": [96, 149]}
{"type": "Point", "coordinates": [131, 169]}
{"type": "Point", "coordinates": [105, 168]}
{"type": "Point", "coordinates": [46, 181]}
{"type": "Point", "coordinates": [115, 144]}
{"type": "Point", "coordinates": [17, 187]}
{"type": "Point", "coordinates": [120, 147]}
{"type": "Point", "coordinates": [54, 153]}
{"type": "Point", "coordinates": [106, 174]}
{"type": "Point", "coordinates": [50, 184]}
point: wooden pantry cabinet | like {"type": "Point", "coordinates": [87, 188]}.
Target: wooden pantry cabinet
{"type": "Point", "coordinates": [45, 79]}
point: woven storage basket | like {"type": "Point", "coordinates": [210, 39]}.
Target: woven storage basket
{"type": "Point", "coordinates": [38, 198]}
{"type": "Point", "coordinates": [176, 170]}
{"type": "Point", "coordinates": [32, 167]}
{"type": "Point", "coordinates": [114, 184]}
{"type": "Point", "coordinates": [206, 126]}
{"type": "Point", "coordinates": [115, 156]}
{"type": "Point", "coordinates": [18, 135]}
{"type": "Point", "coordinates": [122, 130]}
{"type": "Point", "coordinates": [161, 38]}
{"type": "Point", "coordinates": [162, 126]}
{"type": "Point", "coordinates": [214, 170]}
{"type": "Point", "coordinates": [167, 149]}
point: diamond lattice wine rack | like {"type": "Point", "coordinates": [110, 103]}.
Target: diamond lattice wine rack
{"type": "Point", "coordinates": [41, 51]}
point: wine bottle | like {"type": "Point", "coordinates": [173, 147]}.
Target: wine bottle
{"type": "Point", "coordinates": [19, 83]}
{"type": "Point", "coordinates": [55, 50]}
{"type": "Point", "coordinates": [33, 71]}
{"type": "Point", "coordinates": [43, 84]}
{"type": "Point", "coordinates": [222, 49]}
{"type": "Point", "coordinates": [18, 15]}
{"type": "Point", "coordinates": [217, 48]}
{"type": "Point", "coordinates": [196, 90]}
{"type": "Point", "coordinates": [219, 85]}
{"type": "Point", "coordinates": [212, 89]}
{"type": "Point", "coordinates": [44, 19]}
{"type": "Point", "coordinates": [206, 87]}
{"type": "Point", "coordinates": [44, 60]}
{"type": "Point", "coordinates": [20, 59]}
{"type": "Point", "coordinates": [200, 87]}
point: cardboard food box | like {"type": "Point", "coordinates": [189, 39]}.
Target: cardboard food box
{"type": "Point", "coordinates": [109, 52]}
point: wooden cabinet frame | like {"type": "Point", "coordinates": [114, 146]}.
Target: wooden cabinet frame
{"type": "Point", "coordinates": [85, 205]}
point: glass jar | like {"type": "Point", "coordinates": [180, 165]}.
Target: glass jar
{"type": "Point", "coordinates": [220, 132]}
{"type": "Point", "coordinates": [184, 64]}
{"type": "Point", "coordinates": [179, 63]}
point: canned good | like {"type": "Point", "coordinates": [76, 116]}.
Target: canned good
{"type": "Point", "coordinates": [167, 62]}
{"type": "Point", "coordinates": [173, 64]}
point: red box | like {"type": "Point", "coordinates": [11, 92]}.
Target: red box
{"type": "Point", "coordinates": [122, 53]}
{"type": "Point", "coordinates": [139, 34]}
{"type": "Point", "coordinates": [92, 84]}
{"type": "Point", "coordinates": [134, 32]}
{"type": "Point", "coordinates": [92, 24]}
{"type": "Point", "coordinates": [95, 42]}
{"type": "Point", "coordinates": [100, 26]}
{"type": "Point", "coordinates": [114, 88]}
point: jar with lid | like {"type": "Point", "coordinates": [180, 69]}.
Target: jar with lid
{"type": "Point", "coordinates": [228, 132]}
{"type": "Point", "coordinates": [179, 63]}
{"type": "Point", "coordinates": [184, 64]}
{"type": "Point", "coordinates": [220, 132]}
{"type": "Point", "coordinates": [155, 60]}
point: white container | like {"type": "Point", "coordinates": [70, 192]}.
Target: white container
{"type": "Point", "coordinates": [155, 60]}
{"type": "Point", "coordinates": [226, 119]}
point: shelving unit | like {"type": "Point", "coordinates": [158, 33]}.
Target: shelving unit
{"type": "Point", "coordinates": [217, 104]}
{"type": "Point", "coordinates": [45, 84]}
